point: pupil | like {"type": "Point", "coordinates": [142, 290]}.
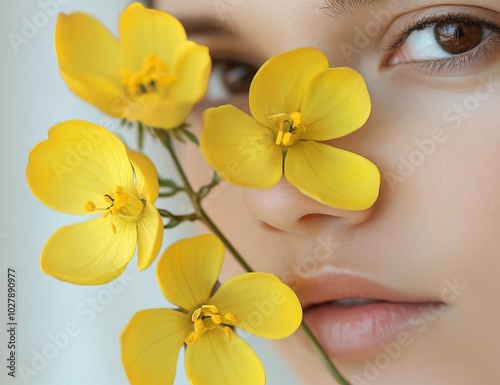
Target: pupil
{"type": "Point", "coordinates": [238, 76]}
{"type": "Point", "coordinates": [456, 37]}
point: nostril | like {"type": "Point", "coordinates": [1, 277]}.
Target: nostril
{"type": "Point", "coordinates": [347, 219]}
{"type": "Point", "coordinates": [283, 207]}
{"type": "Point", "coordinates": [268, 227]}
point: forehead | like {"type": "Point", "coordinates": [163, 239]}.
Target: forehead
{"type": "Point", "coordinates": [253, 21]}
{"type": "Point", "coordinates": [272, 26]}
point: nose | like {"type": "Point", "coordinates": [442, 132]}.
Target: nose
{"type": "Point", "coordinates": [284, 207]}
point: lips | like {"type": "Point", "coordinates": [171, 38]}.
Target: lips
{"type": "Point", "coordinates": [354, 316]}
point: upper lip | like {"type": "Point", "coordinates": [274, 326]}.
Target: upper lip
{"type": "Point", "coordinates": [328, 286]}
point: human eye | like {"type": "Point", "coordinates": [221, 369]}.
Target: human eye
{"type": "Point", "coordinates": [229, 80]}
{"type": "Point", "coordinates": [446, 41]}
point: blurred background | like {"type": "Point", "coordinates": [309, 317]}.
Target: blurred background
{"type": "Point", "coordinates": [66, 334]}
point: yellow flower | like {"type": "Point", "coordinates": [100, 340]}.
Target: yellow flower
{"type": "Point", "coordinates": [258, 303]}
{"type": "Point", "coordinates": [297, 102]}
{"type": "Point", "coordinates": [153, 74]}
{"type": "Point", "coordinates": [84, 169]}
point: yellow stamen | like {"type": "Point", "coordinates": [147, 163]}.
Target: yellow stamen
{"type": "Point", "coordinates": [233, 318]}
{"type": "Point", "coordinates": [279, 137]}
{"type": "Point", "coordinates": [289, 127]}
{"type": "Point", "coordinates": [228, 332]}
{"type": "Point", "coordinates": [90, 207]}
{"type": "Point", "coordinates": [152, 77]}
{"type": "Point", "coordinates": [192, 338]}
{"type": "Point", "coordinates": [207, 318]}
{"type": "Point", "coordinates": [123, 206]}
{"type": "Point", "coordinates": [288, 139]}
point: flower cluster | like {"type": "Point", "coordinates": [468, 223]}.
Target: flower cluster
{"type": "Point", "coordinates": [258, 303]}
{"type": "Point", "coordinates": [153, 76]}
{"type": "Point", "coordinates": [85, 169]}
{"type": "Point", "coordinates": [297, 102]}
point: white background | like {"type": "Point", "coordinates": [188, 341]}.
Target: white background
{"type": "Point", "coordinates": [60, 338]}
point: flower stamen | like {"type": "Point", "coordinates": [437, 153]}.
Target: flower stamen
{"type": "Point", "coordinates": [152, 77]}
{"type": "Point", "coordinates": [289, 128]}
{"type": "Point", "coordinates": [206, 318]}
{"type": "Point", "coordinates": [123, 206]}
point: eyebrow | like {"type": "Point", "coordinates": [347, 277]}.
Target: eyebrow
{"type": "Point", "coordinates": [348, 6]}
{"type": "Point", "coordinates": [205, 26]}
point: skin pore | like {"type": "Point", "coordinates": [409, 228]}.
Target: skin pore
{"type": "Point", "coordinates": [432, 236]}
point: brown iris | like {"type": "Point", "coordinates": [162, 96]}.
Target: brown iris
{"type": "Point", "coordinates": [238, 76]}
{"type": "Point", "coordinates": [457, 37]}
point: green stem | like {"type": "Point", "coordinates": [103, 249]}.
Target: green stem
{"type": "Point", "coordinates": [208, 222]}
{"type": "Point", "coordinates": [165, 137]}
{"type": "Point", "coordinates": [324, 356]}
{"type": "Point", "coordinates": [167, 142]}
{"type": "Point", "coordinates": [195, 199]}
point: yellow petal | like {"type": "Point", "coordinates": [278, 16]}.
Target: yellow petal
{"type": "Point", "coordinates": [170, 108]}
{"type": "Point", "coordinates": [188, 270]}
{"type": "Point", "coordinates": [191, 67]}
{"type": "Point", "coordinates": [332, 176]}
{"type": "Point", "coordinates": [268, 308]}
{"type": "Point", "coordinates": [337, 103]}
{"type": "Point", "coordinates": [79, 162]}
{"type": "Point", "coordinates": [148, 31]}
{"type": "Point", "coordinates": [90, 59]}
{"type": "Point", "coordinates": [154, 110]}
{"type": "Point", "coordinates": [240, 149]}
{"type": "Point", "coordinates": [216, 360]}
{"type": "Point", "coordinates": [146, 176]}
{"type": "Point", "coordinates": [280, 84]}
{"type": "Point", "coordinates": [151, 343]}
{"type": "Point", "coordinates": [149, 236]}
{"type": "Point", "coordinates": [89, 253]}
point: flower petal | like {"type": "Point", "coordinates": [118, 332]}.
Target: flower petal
{"type": "Point", "coordinates": [188, 270]}
{"type": "Point", "coordinates": [191, 67]}
{"type": "Point", "coordinates": [337, 103]}
{"type": "Point", "coordinates": [267, 306]}
{"type": "Point", "coordinates": [240, 149]}
{"type": "Point", "coordinates": [79, 162]}
{"type": "Point", "coordinates": [148, 31]}
{"type": "Point", "coordinates": [215, 359]}
{"type": "Point", "coordinates": [151, 343]}
{"type": "Point", "coordinates": [332, 176]}
{"type": "Point", "coordinates": [280, 84]}
{"type": "Point", "coordinates": [146, 176]}
{"type": "Point", "coordinates": [90, 59]}
{"type": "Point", "coordinates": [157, 111]}
{"type": "Point", "coordinates": [89, 253]}
{"type": "Point", "coordinates": [149, 236]}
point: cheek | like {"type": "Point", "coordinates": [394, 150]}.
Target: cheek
{"type": "Point", "coordinates": [452, 190]}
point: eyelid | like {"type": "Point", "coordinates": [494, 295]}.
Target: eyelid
{"type": "Point", "coordinates": [429, 21]}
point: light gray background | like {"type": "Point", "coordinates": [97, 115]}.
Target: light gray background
{"type": "Point", "coordinates": [33, 98]}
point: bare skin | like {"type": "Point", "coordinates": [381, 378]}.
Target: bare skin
{"type": "Point", "coordinates": [432, 236]}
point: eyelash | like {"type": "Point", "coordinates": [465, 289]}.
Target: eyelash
{"type": "Point", "coordinates": [482, 51]}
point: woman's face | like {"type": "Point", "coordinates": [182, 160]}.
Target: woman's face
{"type": "Point", "coordinates": [427, 251]}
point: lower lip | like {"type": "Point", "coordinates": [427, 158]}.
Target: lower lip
{"type": "Point", "coordinates": [354, 331]}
